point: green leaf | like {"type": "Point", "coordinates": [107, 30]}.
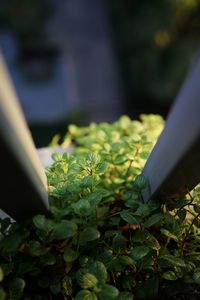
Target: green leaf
{"type": "Point", "coordinates": [125, 296]}
{"type": "Point", "coordinates": [86, 295]}
{"type": "Point", "coordinates": [144, 154]}
{"type": "Point", "coordinates": [67, 286]}
{"type": "Point", "coordinates": [99, 270]}
{"type": "Point", "coordinates": [197, 208]}
{"type": "Point", "coordinates": [126, 260]}
{"type": "Point", "coordinates": [2, 294]}
{"type": "Point", "coordinates": [1, 274]}
{"type": "Point", "coordinates": [196, 275]}
{"type": "Point", "coordinates": [82, 207]}
{"type": "Point", "coordinates": [139, 252]}
{"type": "Point", "coordinates": [124, 122]}
{"type": "Point", "coordinates": [7, 268]}
{"type": "Point", "coordinates": [48, 259]}
{"type": "Point", "coordinates": [116, 147]}
{"type": "Point", "coordinates": [36, 249]}
{"type": "Point", "coordinates": [169, 275]}
{"type": "Point", "coordinates": [16, 288]}
{"type": "Point", "coordinates": [120, 159]}
{"type": "Point", "coordinates": [128, 217]}
{"type": "Point", "coordinates": [10, 243]}
{"type": "Point", "coordinates": [27, 267]}
{"type": "Point", "coordinates": [70, 255]}
{"type": "Point", "coordinates": [173, 261]}
{"type": "Point", "coordinates": [119, 243]}
{"type": "Point", "coordinates": [93, 158]}
{"type": "Point", "coordinates": [42, 223]}
{"type": "Point", "coordinates": [106, 257]}
{"type": "Point", "coordinates": [55, 288]}
{"type": "Point", "coordinates": [64, 230]}
{"type": "Point", "coordinates": [140, 183]}
{"type": "Point", "coordinates": [143, 210]}
{"type": "Point", "coordinates": [152, 243]}
{"type": "Point", "coordinates": [56, 156]}
{"type": "Point", "coordinates": [101, 168]}
{"type": "Point", "coordinates": [182, 214]}
{"type": "Point", "coordinates": [168, 234]}
{"type": "Point", "coordinates": [108, 292]}
{"type": "Point", "coordinates": [154, 219]}
{"type": "Point", "coordinates": [89, 234]}
{"type": "Point", "coordinates": [86, 279]}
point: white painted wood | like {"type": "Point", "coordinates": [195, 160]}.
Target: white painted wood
{"type": "Point", "coordinates": [18, 148]}
{"type": "Point", "coordinates": [173, 167]}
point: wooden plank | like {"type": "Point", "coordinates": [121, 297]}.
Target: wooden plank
{"type": "Point", "coordinates": [173, 167]}
{"type": "Point", "coordinates": [23, 181]}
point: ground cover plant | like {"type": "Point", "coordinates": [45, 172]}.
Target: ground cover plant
{"type": "Point", "coordinates": [100, 241]}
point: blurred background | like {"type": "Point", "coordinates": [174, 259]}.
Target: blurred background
{"type": "Point", "coordinates": [93, 60]}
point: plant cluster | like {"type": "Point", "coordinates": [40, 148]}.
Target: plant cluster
{"type": "Point", "coordinates": [101, 242]}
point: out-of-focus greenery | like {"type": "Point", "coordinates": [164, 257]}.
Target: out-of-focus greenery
{"type": "Point", "coordinates": [156, 43]}
{"type": "Point", "coordinates": [26, 19]}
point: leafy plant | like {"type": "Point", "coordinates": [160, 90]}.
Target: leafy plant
{"type": "Point", "coordinates": [101, 241]}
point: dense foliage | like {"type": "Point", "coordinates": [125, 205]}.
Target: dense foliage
{"type": "Point", "coordinates": [101, 241]}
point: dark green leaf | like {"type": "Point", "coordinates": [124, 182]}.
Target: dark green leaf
{"type": "Point", "coordinates": [126, 260]}
{"type": "Point", "coordinates": [16, 288]}
{"type": "Point", "coordinates": [55, 288]}
{"type": "Point", "coordinates": [89, 234]}
{"type": "Point", "coordinates": [169, 275]}
{"type": "Point", "coordinates": [196, 275]}
{"type": "Point", "coordinates": [197, 208]}
{"type": "Point", "coordinates": [119, 243]}
{"type": "Point", "coordinates": [140, 183]}
{"type": "Point", "coordinates": [128, 217]}
{"type": "Point", "coordinates": [101, 168]}
{"type": "Point", "coordinates": [120, 159]}
{"type": "Point", "coordinates": [172, 260]}
{"type": "Point", "coordinates": [125, 296]}
{"type": "Point", "coordinates": [108, 292]}
{"type": "Point", "coordinates": [143, 210]}
{"type": "Point", "coordinates": [64, 230]}
{"type": "Point", "coordinates": [42, 223]}
{"type": "Point", "coordinates": [10, 243]}
{"type": "Point", "coordinates": [153, 220]}
{"type": "Point", "coordinates": [182, 214]}
{"type": "Point", "coordinates": [82, 207]}
{"type": "Point", "coordinates": [139, 252]}
{"type": "Point", "coordinates": [70, 255]}
{"type": "Point", "coordinates": [36, 249]}
{"type": "Point", "coordinates": [48, 259]}
{"type": "Point", "coordinates": [86, 295]}
{"type": "Point", "coordinates": [99, 270]}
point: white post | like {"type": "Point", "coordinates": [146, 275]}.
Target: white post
{"type": "Point", "coordinates": [23, 181]}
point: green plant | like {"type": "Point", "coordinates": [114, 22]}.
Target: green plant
{"type": "Point", "coordinates": [101, 241]}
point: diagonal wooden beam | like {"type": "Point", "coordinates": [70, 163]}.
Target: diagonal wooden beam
{"type": "Point", "coordinates": [173, 167]}
{"type": "Point", "coordinates": [23, 180]}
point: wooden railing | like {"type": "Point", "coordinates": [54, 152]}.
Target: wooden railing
{"type": "Point", "coordinates": [23, 181]}
{"type": "Point", "coordinates": [173, 167]}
